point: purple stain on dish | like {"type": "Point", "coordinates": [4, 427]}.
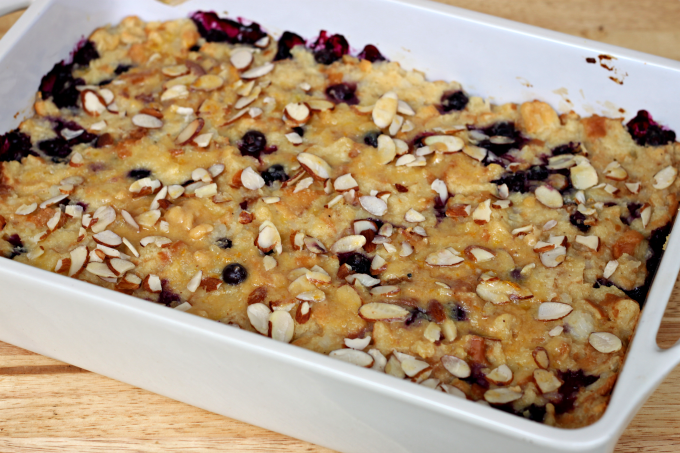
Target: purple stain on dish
{"type": "Point", "coordinates": [286, 43]}
{"type": "Point", "coordinates": [342, 92]}
{"type": "Point", "coordinates": [15, 145]}
{"type": "Point", "coordinates": [328, 49]}
{"type": "Point", "coordinates": [573, 382]}
{"type": "Point", "coordinates": [371, 53]}
{"type": "Point", "coordinates": [647, 132]}
{"type": "Point", "coordinates": [453, 101]}
{"type": "Point", "coordinates": [215, 29]}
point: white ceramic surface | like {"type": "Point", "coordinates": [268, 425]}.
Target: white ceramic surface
{"type": "Point", "coordinates": [289, 389]}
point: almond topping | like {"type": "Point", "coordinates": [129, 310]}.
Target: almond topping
{"type": "Point", "coordinates": [482, 214]}
{"type": "Point", "coordinates": [645, 215]}
{"type": "Point", "coordinates": [502, 396]}
{"type": "Point", "coordinates": [501, 292]}
{"type": "Point", "coordinates": [52, 201]}
{"type": "Point", "coordinates": [583, 175]}
{"type": "Point", "coordinates": [500, 376]}
{"type": "Point", "coordinates": [78, 260]}
{"type": "Point", "coordinates": [120, 266]}
{"type": "Point", "coordinates": [364, 279]}
{"type": "Point", "coordinates": [541, 357]}
{"type": "Point", "coordinates": [458, 210]}
{"type": "Point", "coordinates": [175, 92]}
{"type": "Point", "coordinates": [318, 278]}
{"type": "Point", "coordinates": [103, 216]}
{"type": "Point", "coordinates": [610, 268]}
{"type": "Point", "coordinates": [376, 311]}
{"type": "Point", "coordinates": [373, 205]}
{"type": "Point", "coordinates": [549, 196]}
{"type": "Point", "coordinates": [281, 326]}
{"type": "Point", "coordinates": [259, 71]}
{"type": "Point", "coordinates": [444, 143]}
{"type": "Point", "coordinates": [605, 342]}
{"type": "Point", "coordinates": [554, 257]}
{"type": "Point", "coordinates": [159, 241]}
{"type": "Point", "coordinates": [385, 109]}
{"type": "Point", "coordinates": [358, 343]}
{"type": "Point", "coordinates": [314, 245]}
{"type": "Point", "coordinates": [175, 191]}
{"type": "Point", "coordinates": [475, 152]}
{"type": "Point", "coordinates": [195, 281]}
{"type": "Point", "coordinates": [592, 242]}
{"type": "Point", "coordinates": [387, 149]}
{"type": "Point", "coordinates": [131, 247]}
{"type": "Point", "coordinates": [147, 219]}
{"type": "Point", "coordinates": [385, 290]}
{"type": "Point", "coordinates": [251, 180]}
{"type": "Point", "coordinates": [100, 270]}
{"type": "Point", "coordinates": [345, 182]}
{"type": "Point", "coordinates": [258, 315]}
{"type": "Point", "coordinates": [439, 186]}
{"type": "Point", "coordinates": [314, 165]}
{"type": "Point", "coordinates": [633, 187]}
{"type": "Point", "coordinates": [241, 59]}
{"type": "Point", "coordinates": [615, 171]}
{"type": "Point", "coordinates": [147, 121]}
{"type": "Point", "coordinates": [348, 244]}
{"type": "Point", "coordinates": [411, 366]}
{"type": "Point", "coordinates": [665, 178]}
{"type": "Point", "coordinates": [152, 283]}
{"type": "Point", "coordinates": [269, 238]}
{"type": "Point", "coordinates": [561, 162]}
{"type": "Point", "coordinates": [108, 238]}
{"type": "Point", "coordinates": [443, 258]}
{"type": "Point", "coordinates": [551, 311]}
{"type": "Point", "coordinates": [546, 381]}
{"type": "Point", "coordinates": [175, 71]}
{"type": "Point", "coordinates": [315, 295]}
{"type": "Point", "coordinates": [406, 249]}
{"type": "Point", "coordinates": [294, 138]}
{"type": "Point", "coordinates": [297, 112]}
{"type": "Point", "coordinates": [353, 356]}
{"type": "Point", "coordinates": [189, 132]}
{"type": "Point", "coordinates": [208, 82]}
{"type": "Point", "coordinates": [479, 254]}
{"type": "Point", "coordinates": [414, 216]}
{"type": "Point", "coordinates": [457, 367]}
{"type": "Point", "coordinates": [93, 103]}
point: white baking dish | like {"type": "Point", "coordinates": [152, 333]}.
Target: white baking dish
{"type": "Point", "coordinates": [289, 389]}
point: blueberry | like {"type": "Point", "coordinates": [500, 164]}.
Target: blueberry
{"type": "Point", "coordinates": [168, 297]}
{"type": "Point", "coordinates": [17, 246]}
{"type": "Point", "coordinates": [122, 68]}
{"type": "Point", "coordinates": [537, 173]}
{"type": "Point", "coordinates": [224, 243]}
{"type": "Point", "coordinates": [371, 138]}
{"type": "Point", "coordinates": [453, 100]}
{"type": "Point", "coordinates": [85, 52]}
{"type": "Point", "coordinates": [215, 29]}
{"type": "Point", "coordinates": [274, 173]}
{"type": "Point", "coordinates": [417, 314]}
{"type": "Point", "coordinates": [253, 143]}
{"type": "Point", "coordinates": [439, 208]}
{"type": "Point", "coordinates": [299, 130]}
{"type": "Point", "coordinates": [359, 263]}
{"type": "Point", "coordinates": [286, 43]}
{"type": "Point", "coordinates": [328, 49]}
{"type": "Point", "coordinates": [578, 220]}
{"type": "Point", "coordinates": [60, 85]}
{"type": "Point", "coordinates": [477, 376]}
{"type": "Point", "coordinates": [645, 131]}
{"type": "Point", "coordinates": [573, 381]}
{"type": "Point", "coordinates": [458, 313]}
{"type": "Point", "coordinates": [342, 92]}
{"type": "Point", "coordinates": [56, 148]}
{"type": "Point", "coordinates": [194, 48]}
{"type": "Point", "coordinates": [139, 173]}
{"type": "Point", "coordinates": [84, 137]}
{"type": "Point", "coordinates": [15, 145]}
{"type": "Point", "coordinates": [569, 148]}
{"type": "Point", "coordinates": [371, 53]}
{"type": "Point", "coordinates": [234, 274]}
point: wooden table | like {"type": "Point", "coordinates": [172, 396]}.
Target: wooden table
{"type": "Point", "coordinates": [47, 405]}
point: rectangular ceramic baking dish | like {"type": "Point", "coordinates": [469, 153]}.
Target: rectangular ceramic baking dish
{"type": "Point", "coordinates": [286, 388]}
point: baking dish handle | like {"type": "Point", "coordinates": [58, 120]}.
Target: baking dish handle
{"type": "Point", "coordinates": [9, 6]}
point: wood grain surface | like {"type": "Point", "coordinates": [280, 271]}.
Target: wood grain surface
{"type": "Point", "coordinates": [50, 406]}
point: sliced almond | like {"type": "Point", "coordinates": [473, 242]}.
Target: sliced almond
{"type": "Point", "coordinates": [443, 258]}
{"type": "Point", "coordinates": [396, 124]}
{"type": "Point", "coordinates": [175, 71]}
{"type": "Point", "coordinates": [385, 291]}
{"type": "Point", "coordinates": [312, 296]}
{"type": "Point", "coordinates": [241, 59]}
{"type": "Point", "coordinates": [281, 326]}
{"type": "Point", "coordinates": [251, 180]}
{"type": "Point", "coordinates": [364, 279]}
{"type": "Point", "coordinates": [175, 191]}
{"type": "Point", "coordinates": [502, 396]}
{"type": "Point", "coordinates": [615, 171]}
{"type": "Point", "coordinates": [385, 109]}
{"type": "Point", "coordinates": [634, 187]}
{"type": "Point", "coordinates": [93, 103]}
{"type": "Point", "coordinates": [345, 182]}
{"type": "Point", "coordinates": [268, 239]}
{"type": "Point", "coordinates": [147, 121]}
{"type": "Point", "coordinates": [298, 112]}
{"type": "Point", "coordinates": [103, 217]}
{"type": "Point", "coordinates": [459, 210]}
{"type": "Point", "coordinates": [120, 266]}
{"type": "Point", "coordinates": [610, 268]}
{"type": "Point", "coordinates": [387, 149]}
{"type": "Point", "coordinates": [500, 376]}
{"type": "Point", "coordinates": [482, 214]}
{"type": "Point", "coordinates": [152, 283]}
{"type": "Point", "coordinates": [413, 367]}
{"type": "Point", "coordinates": [208, 82]}
{"type": "Point", "coordinates": [551, 311]}
{"type": "Point", "coordinates": [78, 260]}
{"type": "Point", "coordinates": [189, 132]}
{"type": "Point", "coordinates": [314, 165]}
{"type": "Point", "coordinates": [348, 244]}
{"type": "Point", "coordinates": [258, 315]}
{"type": "Point", "coordinates": [476, 152]}
{"type": "Point", "coordinates": [145, 186]}
{"type": "Point", "coordinates": [158, 241]}
{"type": "Point", "coordinates": [605, 342]}
{"type": "Point", "coordinates": [107, 238]}
{"type": "Point", "coordinates": [353, 356]}
{"type": "Point", "coordinates": [148, 219]}
{"type": "Point", "coordinates": [554, 257]}
{"type": "Point", "coordinates": [541, 357]}
{"type": "Point", "coordinates": [592, 242]}
{"type": "Point", "coordinates": [259, 71]}
{"type": "Point", "coordinates": [376, 311]}
{"type": "Point", "coordinates": [358, 343]}
{"type": "Point", "coordinates": [315, 246]}
{"type": "Point", "coordinates": [478, 254]}
{"type": "Point", "coordinates": [501, 292]}
{"type": "Point", "coordinates": [549, 196]}
{"type": "Point", "coordinates": [561, 162]}
{"type": "Point", "coordinates": [444, 143]}
{"type": "Point", "coordinates": [665, 178]}
{"type": "Point", "coordinates": [414, 216]}
{"type": "Point", "coordinates": [318, 278]}
{"type": "Point", "coordinates": [406, 249]}
{"type": "Point", "coordinates": [457, 367]}
{"type": "Point", "coordinates": [131, 247]}
{"type": "Point", "coordinates": [546, 381]}
{"type": "Point", "coordinates": [583, 175]}
{"type": "Point", "coordinates": [441, 189]}
{"type": "Point", "coordinates": [52, 201]}
{"type": "Point", "coordinates": [294, 138]}
{"type": "Point", "coordinates": [100, 270]}
{"type": "Point", "coordinates": [373, 205]}
{"type": "Point", "coordinates": [645, 215]}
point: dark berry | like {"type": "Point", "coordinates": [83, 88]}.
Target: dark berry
{"type": "Point", "coordinates": [458, 313]}
{"type": "Point", "coordinates": [417, 314]}
{"type": "Point", "coordinates": [371, 138]}
{"type": "Point", "coordinates": [85, 53]}
{"type": "Point", "coordinates": [299, 130]}
{"type": "Point", "coordinates": [439, 208]}
{"type": "Point", "coordinates": [224, 243]}
{"type": "Point", "coordinates": [453, 100]}
{"type": "Point", "coordinates": [359, 263]}
{"type": "Point", "coordinates": [573, 381]}
{"type": "Point", "coordinates": [342, 92]}
{"type": "Point", "coordinates": [194, 48]}
{"type": "Point", "coordinates": [286, 43]}
{"type": "Point", "coordinates": [578, 220]}
{"type": "Point", "coordinates": [56, 148]}
{"type": "Point", "coordinates": [60, 85]}
{"type": "Point", "coordinates": [215, 29]}
{"type": "Point", "coordinates": [253, 143]}
{"type": "Point", "coordinates": [243, 205]}
{"type": "Point", "coordinates": [569, 148]}
{"type": "Point", "coordinates": [15, 145]}
{"type": "Point", "coordinates": [139, 173]}
{"type": "Point", "coordinates": [477, 376]}
{"type": "Point", "coordinates": [84, 137]}
{"type": "Point", "coordinates": [371, 53]}
{"type": "Point", "coordinates": [234, 274]}
{"type": "Point", "coordinates": [17, 246]}
{"type": "Point", "coordinates": [122, 68]}
{"type": "Point", "coordinates": [537, 173]}
{"type": "Point", "coordinates": [645, 131]}
{"type": "Point", "coordinates": [274, 173]}
{"type": "Point", "coordinates": [328, 49]}
{"type": "Point", "coordinates": [499, 148]}
{"type": "Point", "coordinates": [168, 297]}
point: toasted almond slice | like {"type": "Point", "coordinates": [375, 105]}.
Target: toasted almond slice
{"type": "Point", "coordinates": [149, 218]}
{"type": "Point", "coordinates": [542, 247]}
{"type": "Point", "coordinates": [365, 280]}
{"type": "Point", "coordinates": [69, 134]}
{"type": "Point", "coordinates": [478, 254]}
{"type": "Point", "coordinates": [175, 71]}
{"type": "Point", "coordinates": [93, 103]}
{"type": "Point", "coordinates": [406, 159]}
{"type": "Point", "coordinates": [615, 171]}
{"type": "Point", "coordinates": [241, 59]}
{"type": "Point", "coordinates": [665, 178]}
{"type": "Point", "coordinates": [362, 225]}
{"type": "Point", "coordinates": [424, 151]}
{"type": "Point", "coordinates": [54, 220]}
{"type": "Point", "coordinates": [501, 375]}
{"type": "Point", "coordinates": [554, 257]}
{"type": "Point", "coordinates": [500, 292]}
{"type": "Point", "coordinates": [52, 201]}
{"type": "Point", "coordinates": [320, 105]}
{"type": "Point", "coordinates": [406, 249]}
{"type": "Point", "coordinates": [549, 196]}
{"type": "Point", "coordinates": [502, 395]}
{"type": "Point", "coordinates": [546, 381]}
{"type": "Point", "coordinates": [152, 284]}
{"type": "Point", "coordinates": [259, 71]}
{"type": "Point", "coordinates": [379, 360]}
{"type": "Point", "coordinates": [373, 205]}
{"type": "Point", "coordinates": [195, 282]}
{"type": "Point", "coordinates": [282, 326]}
{"type": "Point", "coordinates": [251, 180]}
{"type": "Point", "coordinates": [387, 149]}
{"type": "Point", "coordinates": [262, 43]}
{"type": "Point", "coordinates": [376, 311]}
{"type": "Point", "coordinates": [610, 268]}
{"type": "Point", "coordinates": [268, 238]}
{"type": "Point", "coordinates": [120, 266]}
{"type": "Point", "coordinates": [78, 260]}
{"type": "Point", "coordinates": [297, 112]}
{"type": "Point", "coordinates": [443, 258]}
{"type": "Point", "coordinates": [73, 210]}
{"type": "Point", "coordinates": [303, 184]}
{"type": "Point", "coordinates": [645, 215]}
{"type": "Point", "coordinates": [413, 367]}
{"type": "Point", "coordinates": [348, 244]}
{"type": "Point", "coordinates": [389, 290]}
{"type": "Point", "coordinates": [131, 247]}
{"type": "Point", "coordinates": [100, 270]}
{"type": "Point", "coordinates": [314, 245]}
{"type": "Point", "coordinates": [444, 143]}
{"type": "Point", "coordinates": [318, 278]}
{"type": "Point", "coordinates": [345, 182]}
{"type": "Point", "coordinates": [592, 242]}
{"type": "Point", "coordinates": [583, 175]}
{"type": "Point", "coordinates": [159, 241]}
{"type": "Point", "coordinates": [294, 138]}
{"type": "Point", "coordinates": [457, 367]}
{"type": "Point", "coordinates": [315, 295]}
{"type": "Point", "coordinates": [551, 311]}
{"type": "Point", "coordinates": [414, 216]}
{"type": "Point", "coordinates": [258, 315]}
{"type": "Point", "coordinates": [396, 124]}
{"type": "Point", "coordinates": [104, 216]}
{"type": "Point", "coordinates": [482, 213]}
{"type": "Point", "coordinates": [107, 95]}
{"type": "Point", "coordinates": [561, 162]}
{"type": "Point", "coordinates": [107, 238]}
{"type": "Point", "coordinates": [611, 189]}
{"type": "Point", "coordinates": [145, 185]}
{"type": "Point", "coordinates": [541, 357]}
{"type": "Point", "coordinates": [147, 121]}
{"type": "Point", "coordinates": [441, 189]}
{"type": "Point", "coordinates": [175, 92]}
{"type": "Point", "coordinates": [314, 165]}
{"type": "Point", "coordinates": [476, 152]}
{"type": "Point", "coordinates": [189, 132]}
{"type": "Point", "coordinates": [353, 356]}
{"type": "Point", "coordinates": [458, 210]}
{"type": "Point", "coordinates": [633, 187]}
{"type": "Point", "coordinates": [433, 332]}
{"type": "Point", "coordinates": [405, 109]}
{"type": "Point", "coordinates": [385, 109]}
{"type": "Point", "coordinates": [208, 82]}
{"type": "Point", "coordinates": [378, 264]}
{"type": "Point", "coordinates": [175, 191]}
{"type": "Point", "coordinates": [605, 342]}
{"type": "Point", "coordinates": [358, 343]}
